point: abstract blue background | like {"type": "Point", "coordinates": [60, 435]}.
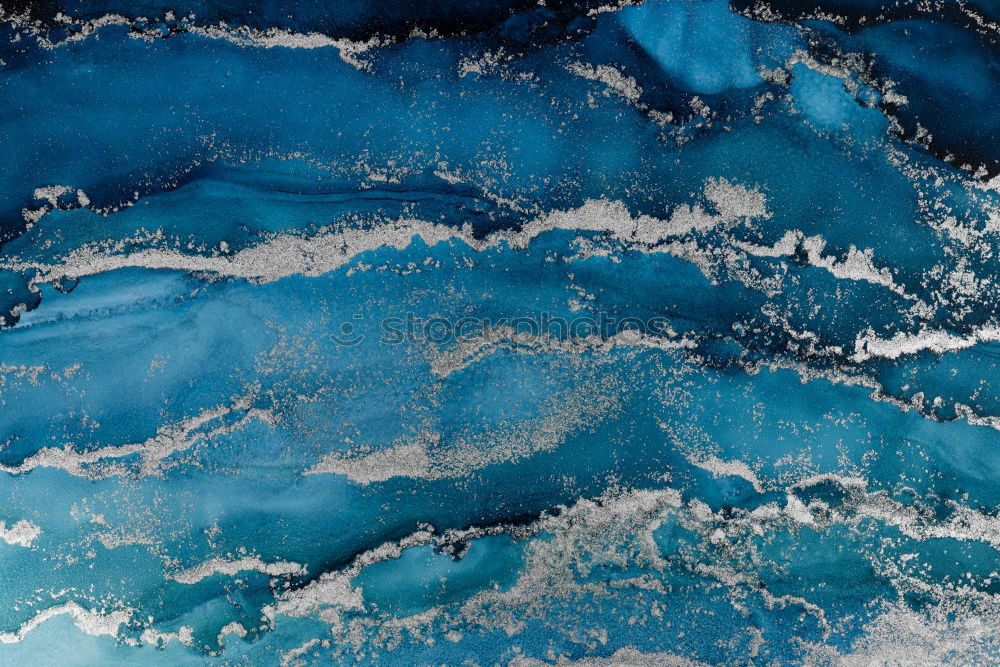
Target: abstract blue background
{"type": "Point", "coordinates": [512, 332]}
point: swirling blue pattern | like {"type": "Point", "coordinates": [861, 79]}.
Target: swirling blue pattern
{"type": "Point", "coordinates": [500, 333]}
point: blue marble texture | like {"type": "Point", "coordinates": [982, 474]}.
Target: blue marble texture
{"type": "Point", "coordinates": [508, 332]}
